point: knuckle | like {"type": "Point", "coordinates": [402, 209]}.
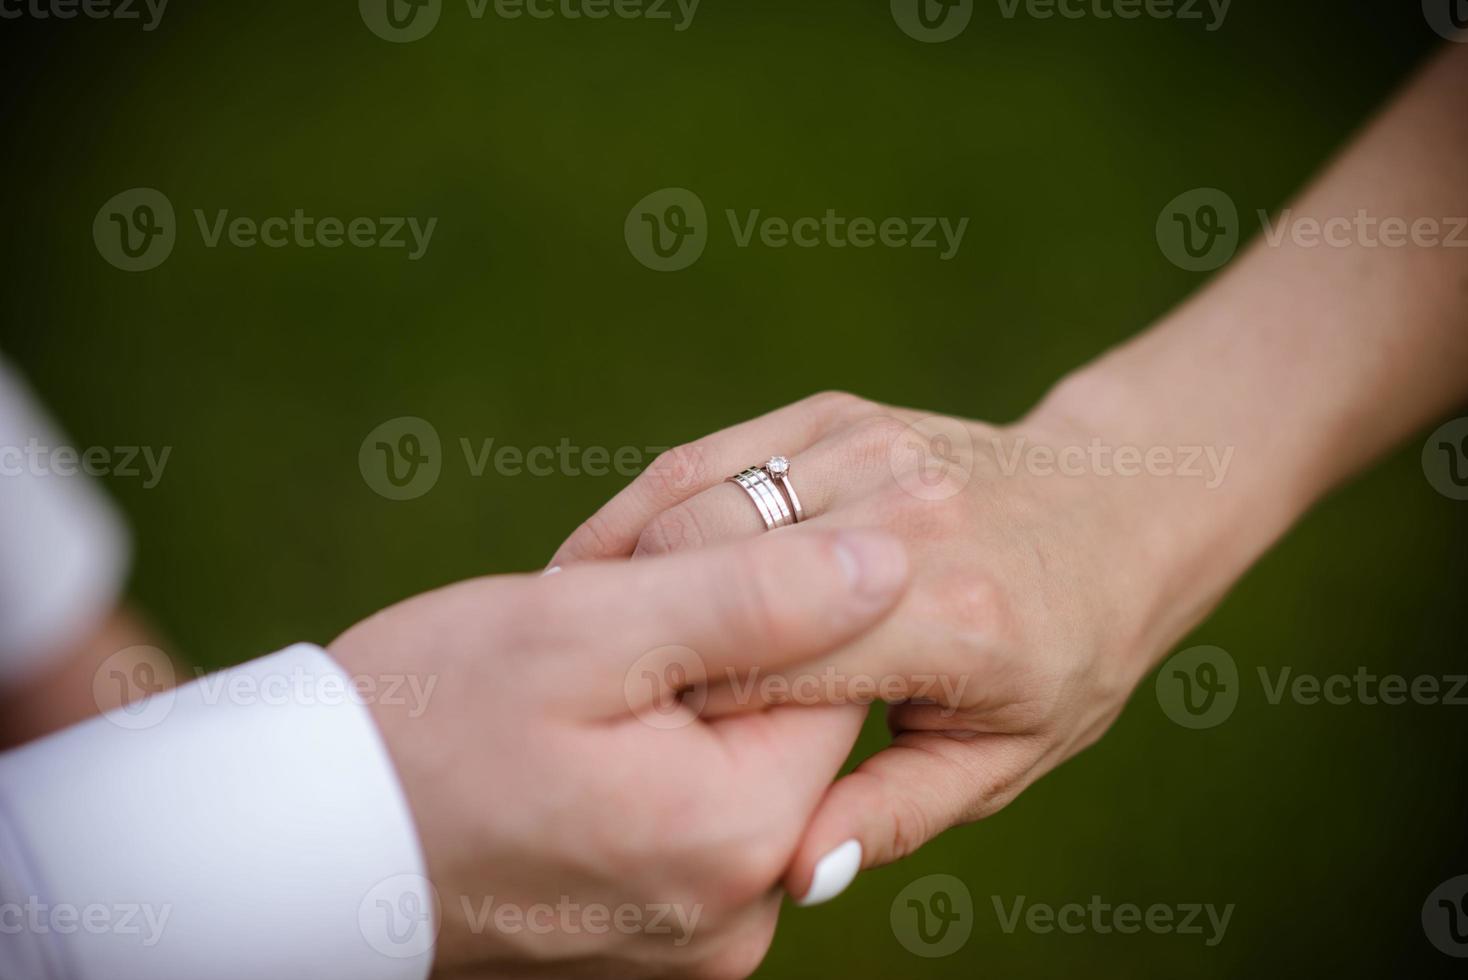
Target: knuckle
{"type": "Point", "coordinates": [872, 439]}
{"type": "Point", "coordinates": [981, 606]}
{"type": "Point", "coordinates": [678, 472]}
{"type": "Point", "coordinates": [839, 405]}
{"type": "Point", "coordinates": [675, 529]}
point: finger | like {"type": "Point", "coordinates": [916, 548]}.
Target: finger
{"type": "Point", "coordinates": [901, 798]}
{"type": "Point", "coordinates": [632, 635]}
{"type": "Point", "coordinates": [686, 470]}
{"type": "Point", "coordinates": [792, 753]}
{"type": "Point", "coordinates": [840, 466]}
{"type": "Point", "coordinates": [912, 657]}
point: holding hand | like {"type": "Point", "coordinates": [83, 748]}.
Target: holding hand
{"type": "Point", "coordinates": [555, 767]}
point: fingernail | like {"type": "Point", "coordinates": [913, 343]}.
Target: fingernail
{"type": "Point", "coordinates": [833, 873]}
{"type": "Point", "coordinates": [875, 564]}
{"type": "Point", "coordinates": [550, 571]}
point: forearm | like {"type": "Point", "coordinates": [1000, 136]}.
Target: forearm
{"type": "Point", "coordinates": [1308, 362]}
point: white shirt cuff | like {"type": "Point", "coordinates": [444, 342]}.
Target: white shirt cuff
{"type": "Point", "coordinates": [248, 826]}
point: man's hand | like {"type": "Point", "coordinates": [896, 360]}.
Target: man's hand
{"type": "Point", "coordinates": [556, 766]}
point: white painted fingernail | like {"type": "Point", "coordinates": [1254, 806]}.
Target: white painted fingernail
{"type": "Point", "coordinates": [833, 873]}
{"type": "Point", "coordinates": [550, 571]}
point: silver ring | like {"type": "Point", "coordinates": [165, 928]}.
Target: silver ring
{"type": "Point", "coordinates": [779, 468]}
{"type": "Point", "coordinates": [776, 508]}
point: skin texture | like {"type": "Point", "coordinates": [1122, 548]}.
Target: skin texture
{"type": "Point", "coordinates": [1043, 598]}
{"type": "Point", "coordinates": [556, 762]}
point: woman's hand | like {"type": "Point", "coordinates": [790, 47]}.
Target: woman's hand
{"type": "Point", "coordinates": [1045, 582]}
{"type": "Point", "coordinates": [575, 815]}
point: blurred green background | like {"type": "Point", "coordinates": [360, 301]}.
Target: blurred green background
{"type": "Point", "coordinates": [529, 321]}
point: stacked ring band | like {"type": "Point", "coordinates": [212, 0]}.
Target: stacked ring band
{"type": "Point", "coordinates": [777, 503]}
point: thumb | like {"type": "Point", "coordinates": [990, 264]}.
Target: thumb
{"type": "Point", "coordinates": [891, 805]}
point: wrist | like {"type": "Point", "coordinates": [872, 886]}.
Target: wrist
{"type": "Point", "coordinates": [1188, 496]}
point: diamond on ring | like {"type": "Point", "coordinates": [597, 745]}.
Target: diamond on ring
{"type": "Point", "coordinates": [778, 466]}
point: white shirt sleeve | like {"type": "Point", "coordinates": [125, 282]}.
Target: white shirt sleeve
{"type": "Point", "coordinates": [63, 549]}
{"type": "Point", "coordinates": [247, 826]}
